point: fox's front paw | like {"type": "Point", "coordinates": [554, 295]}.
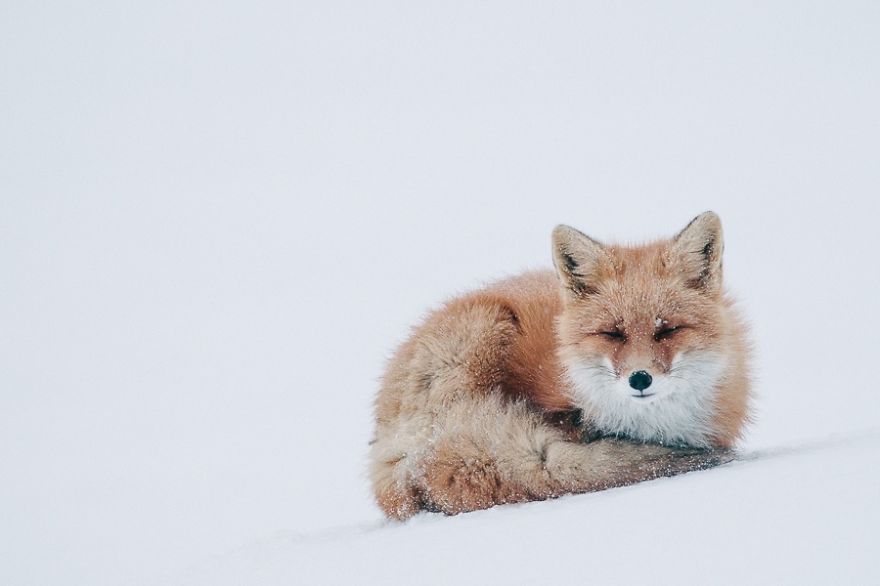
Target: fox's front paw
{"type": "Point", "coordinates": [681, 460]}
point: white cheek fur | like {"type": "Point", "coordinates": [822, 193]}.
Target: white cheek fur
{"type": "Point", "coordinates": [679, 412]}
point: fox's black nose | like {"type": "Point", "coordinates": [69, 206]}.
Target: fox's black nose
{"type": "Point", "coordinates": [640, 380]}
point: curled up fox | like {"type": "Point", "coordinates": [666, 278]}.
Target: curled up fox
{"type": "Point", "coordinates": [622, 365]}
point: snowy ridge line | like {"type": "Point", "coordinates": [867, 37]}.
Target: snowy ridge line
{"type": "Point", "coordinates": [280, 539]}
{"type": "Point", "coordinates": [830, 441]}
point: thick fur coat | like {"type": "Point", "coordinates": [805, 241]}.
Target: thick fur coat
{"type": "Point", "coordinates": [622, 365]}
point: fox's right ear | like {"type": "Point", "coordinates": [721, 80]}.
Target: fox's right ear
{"type": "Point", "coordinates": [698, 249]}
{"type": "Point", "coordinates": [577, 258]}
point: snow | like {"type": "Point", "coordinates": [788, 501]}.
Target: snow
{"type": "Point", "coordinates": [217, 220]}
{"type": "Point", "coordinates": [777, 519]}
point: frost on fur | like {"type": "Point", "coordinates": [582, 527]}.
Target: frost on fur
{"type": "Point", "coordinates": [475, 409]}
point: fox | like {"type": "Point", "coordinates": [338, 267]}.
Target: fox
{"type": "Point", "coordinates": [619, 365]}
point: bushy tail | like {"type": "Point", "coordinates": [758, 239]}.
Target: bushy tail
{"type": "Point", "coordinates": [489, 451]}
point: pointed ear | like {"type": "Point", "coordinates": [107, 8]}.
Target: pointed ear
{"type": "Point", "coordinates": [697, 251]}
{"type": "Point", "coordinates": [577, 258]}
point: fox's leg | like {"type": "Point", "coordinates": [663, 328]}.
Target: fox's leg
{"type": "Point", "coordinates": [492, 453]}
{"type": "Point", "coordinates": [609, 462]}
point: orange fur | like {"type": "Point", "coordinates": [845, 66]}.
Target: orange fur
{"type": "Point", "coordinates": [476, 408]}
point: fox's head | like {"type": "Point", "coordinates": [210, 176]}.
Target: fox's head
{"type": "Point", "coordinates": [650, 343]}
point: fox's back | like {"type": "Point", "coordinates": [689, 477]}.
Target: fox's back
{"type": "Point", "coordinates": [503, 334]}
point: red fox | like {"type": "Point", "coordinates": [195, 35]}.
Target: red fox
{"type": "Point", "coordinates": [623, 365]}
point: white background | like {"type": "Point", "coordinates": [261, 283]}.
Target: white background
{"type": "Point", "coordinates": [218, 219]}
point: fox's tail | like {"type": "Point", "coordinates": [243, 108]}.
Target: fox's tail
{"type": "Point", "coordinates": [488, 451]}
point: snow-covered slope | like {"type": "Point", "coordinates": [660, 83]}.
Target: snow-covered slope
{"type": "Point", "coordinates": [801, 514]}
{"type": "Point", "coordinates": [218, 218]}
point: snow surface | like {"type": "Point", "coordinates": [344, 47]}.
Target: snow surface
{"type": "Point", "coordinates": [218, 219]}
{"type": "Point", "coordinates": [777, 519]}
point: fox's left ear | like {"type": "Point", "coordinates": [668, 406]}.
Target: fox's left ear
{"type": "Point", "coordinates": [697, 251]}
{"type": "Point", "coordinates": [578, 259]}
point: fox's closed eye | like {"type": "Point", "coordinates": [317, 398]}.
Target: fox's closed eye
{"type": "Point", "coordinates": [614, 335]}
{"type": "Point", "coordinates": [667, 332]}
